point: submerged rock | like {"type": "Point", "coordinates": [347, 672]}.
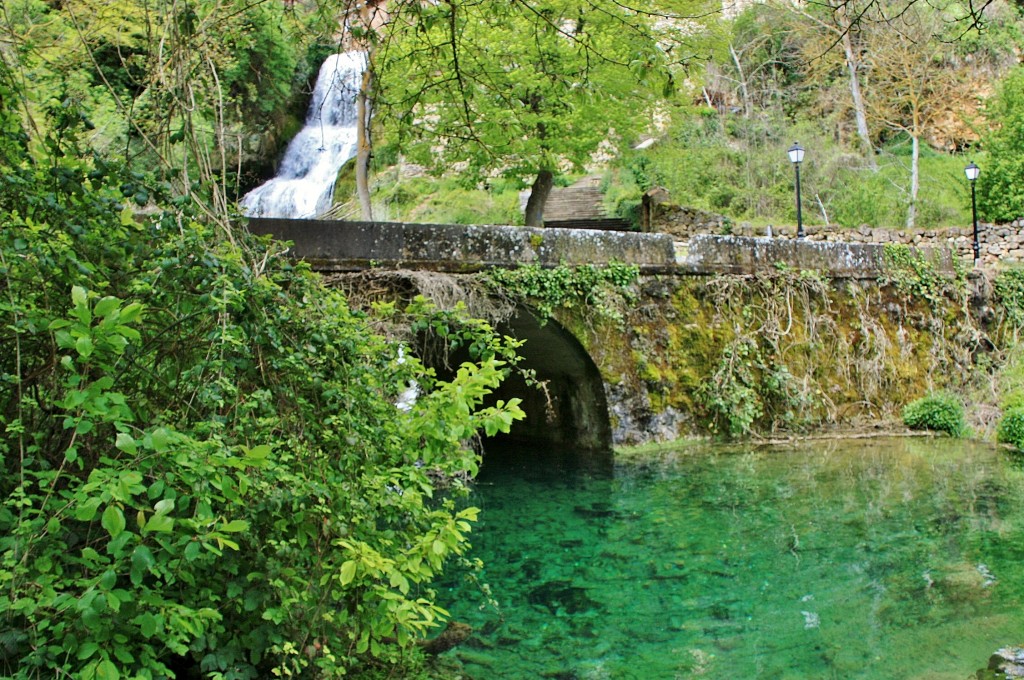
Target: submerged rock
{"type": "Point", "coordinates": [450, 637]}
{"type": "Point", "coordinates": [596, 511]}
{"type": "Point", "coordinates": [562, 596]}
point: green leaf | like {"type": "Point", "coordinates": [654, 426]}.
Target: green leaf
{"type": "Point", "coordinates": [148, 624]}
{"type": "Point", "coordinates": [142, 559]}
{"type": "Point", "coordinates": [84, 346]}
{"type": "Point", "coordinates": [131, 313]}
{"type": "Point", "coordinates": [260, 452]}
{"type": "Point", "coordinates": [235, 526]}
{"type": "Point", "coordinates": [107, 671]}
{"type": "Point", "coordinates": [364, 642]}
{"type": "Point", "coordinates": [78, 296]}
{"type": "Point", "coordinates": [222, 542]}
{"type": "Point", "coordinates": [160, 524]}
{"type": "Point", "coordinates": [86, 511]}
{"type": "Point", "coordinates": [160, 438]}
{"type": "Point", "coordinates": [85, 650]}
{"type": "Point", "coordinates": [113, 521]}
{"type": "Point", "coordinates": [105, 306]}
{"type": "Point", "coordinates": [125, 442]}
{"type": "Point", "coordinates": [348, 572]}
{"type": "Point", "coordinates": [399, 581]}
{"type": "Point", "coordinates": [108, 580]}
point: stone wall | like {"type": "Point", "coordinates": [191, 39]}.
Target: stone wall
{"type": "Point", "coordinates": [998, 243]}
{"type": "Point", "coordinates": [782, 351]}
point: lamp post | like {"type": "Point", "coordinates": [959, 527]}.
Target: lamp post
{"type": "Point", "coordinates": [972, 171]}
{"type": "Point", "coordinates": [796, 156]}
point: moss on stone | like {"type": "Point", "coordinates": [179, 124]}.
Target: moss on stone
{"type": "Point", "coordinates": [817, 353]}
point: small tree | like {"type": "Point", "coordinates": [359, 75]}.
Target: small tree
{"type": "Point", "coordinates": [521, 89]}
{"type": "Point", "coordinates": [914, 81]}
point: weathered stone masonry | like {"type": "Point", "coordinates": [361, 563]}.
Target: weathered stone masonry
{"type": "Point", "coordinates": [998, 242]}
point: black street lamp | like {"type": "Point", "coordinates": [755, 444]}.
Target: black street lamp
{"type": "Point", "coordinates": [796, 156]}
{"type": "Point", "coordinates": [972, 171]}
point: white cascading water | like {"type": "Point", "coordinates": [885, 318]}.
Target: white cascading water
{"type": "Point", "coordinates": [305, 180]}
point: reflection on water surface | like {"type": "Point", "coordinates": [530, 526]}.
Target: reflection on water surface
{"type": "Point", "coordinates": [889, 558]}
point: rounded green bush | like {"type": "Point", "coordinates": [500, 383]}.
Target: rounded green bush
{"type": "Point", "coordinates": [937, 411]}
{"type": "Point", "coordinates": [1011, 428]}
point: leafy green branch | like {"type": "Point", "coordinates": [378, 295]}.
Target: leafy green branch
{"type": "Point", "coordinates": [914, 275]}
{"type": "Point", "coordinates": [604, 290]}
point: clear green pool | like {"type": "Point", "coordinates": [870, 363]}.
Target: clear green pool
{"type": "Point", "coordinates": [890, 558]}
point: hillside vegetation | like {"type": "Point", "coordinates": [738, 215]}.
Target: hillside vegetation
{"type": "Point", "coordinates": [933, 92]}
{"type": "Point", "coordinates": [890, 100]}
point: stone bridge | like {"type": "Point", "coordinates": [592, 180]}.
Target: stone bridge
{"type": "Point", "coordinates": [582, 407]}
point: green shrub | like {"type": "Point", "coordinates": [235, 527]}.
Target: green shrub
{"type": "Point", "coordinates": [937, 411]}
{"type": "Point", "coordinates": [1011, 428]}
{"type": "Point", "coordinates": [202, 466]}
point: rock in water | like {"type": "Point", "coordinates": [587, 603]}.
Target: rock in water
{"type": "Point", "coordinates": [562, 596]}
{"type": "Point", "coordinates": [1008, 662]}
{"type": "Point", "coordinates": [454, 634]}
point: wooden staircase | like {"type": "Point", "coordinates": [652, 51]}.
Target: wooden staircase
{"type": "Point", "coordinates": [581, 206]}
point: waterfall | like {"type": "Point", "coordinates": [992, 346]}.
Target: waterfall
{"type": "Point", "coordinates": [305, 180]}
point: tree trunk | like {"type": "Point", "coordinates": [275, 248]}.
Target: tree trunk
{"type": "Point", "coordinates": [539, 193]}
{"type": "Point", "coordinates": [748, 108]}
{"type": "Point", "coordinates": [915, 179]}
{"type": "Point", "coordinates": [858, 100]}
{"type": "Point", "coordinates": [364, 108]}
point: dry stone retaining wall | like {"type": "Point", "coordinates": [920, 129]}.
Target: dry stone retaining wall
{"type": "Point", "coordinates": [998, 243]}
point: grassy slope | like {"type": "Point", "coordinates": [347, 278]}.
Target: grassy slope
{"type": "Point", "coordinates": [720, 171]}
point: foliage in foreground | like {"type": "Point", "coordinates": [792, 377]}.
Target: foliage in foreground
{"type": "Point", "coordinates": [939, 412]}
{"type": "Point", "coordinates": [203, 467]}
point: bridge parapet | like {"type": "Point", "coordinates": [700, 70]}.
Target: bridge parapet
{"type": "Point", "coordinates": [706, 253]}
{"type": "Point", "coordinates": [331, 246]}
{"type": "Point", "coordinates": [346, 246]}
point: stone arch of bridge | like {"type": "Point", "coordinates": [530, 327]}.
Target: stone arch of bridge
{"type": "Point", "coordinates": [571, 409]}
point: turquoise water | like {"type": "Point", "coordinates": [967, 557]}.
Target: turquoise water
{"type": "Point", "coordinates": [889, 558]}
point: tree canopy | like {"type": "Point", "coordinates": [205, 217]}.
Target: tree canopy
{"type": "Point", "coordinates": [526, 89]}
